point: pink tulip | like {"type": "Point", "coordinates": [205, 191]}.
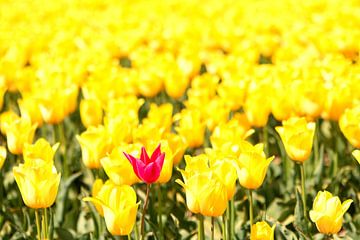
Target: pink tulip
{"type": "Point", "coordinates": [147, 169]}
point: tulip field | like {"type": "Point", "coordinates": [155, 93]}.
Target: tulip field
{"type": "Point", "coordinates": [179, 119]}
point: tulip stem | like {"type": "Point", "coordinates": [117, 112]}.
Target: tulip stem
{"type": "Point", "coordinates": [265, 140]}
{"type": "Point", "coordinates": [224, 227]}
{"type": "Point", "coordinates": [303, 195]}
{"type": "Point", "coordinates": [316, 142]}
{"type": "Point", "coordinates": [144, 211]}
{"type": "Point", "coordinates": [129, 237]}
{"type": "Point", "coordinates": [212, 228]}
{"type": "Point", "coordinates": [37, 224]}
{"type": "Point", "coordinates": [46, 223]}
{"type": "Point", "coordinates": [201, 234]}
{"type": "Point", "coordinates": [251, 209]}
{"type": "Point", "coordinates": [232, 219]}
{"type": "Point", "coordinates": [160, 211]}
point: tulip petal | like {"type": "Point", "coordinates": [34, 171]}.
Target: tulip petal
{"type": "Point", "coordinates": [133, 162]}
{"type": "Point", "coordinates": [156, 153]}
{"type": "Point", "coordinates": [144, 157]}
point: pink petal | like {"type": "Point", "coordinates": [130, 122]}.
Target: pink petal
{"type": "Point", "coordinates": [156, 153]}
{"type": "Point", "coordinates": [133, 162]}
{"type": "Point", "coordinates": [144, 157]}
{"type": "Point", "coordinates": [160, 161]}
{"type": "Point", "coordinates": [152, 173]}
{"type": "Point", "coordinates": [141, 169]}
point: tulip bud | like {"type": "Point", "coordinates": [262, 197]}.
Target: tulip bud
{"type": "Point", "coordinates": [262, 231]}
{"type": "Point", "coordinates": [297, 136]}
{"type": "Point", "coordinates": [328, 211]}
{"type": "Point", "coordinates": [91, 112]}
{"type": "Point", "coordinates": [19, 132]}
{"type": "Point", "coordinates": [349, 125]}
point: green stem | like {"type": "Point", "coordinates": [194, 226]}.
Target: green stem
{"type": "Point", "coordinates": [232, 219]}
{"type": "Point", "coordinates": [212, 228]}
{"type": "Point", "coordinates": [129, 237]}
{"type": "Point", "coordinates": [265, 140]}
{"type": "Point", "coordinates": [160, 211]}
{"type": "Point", "coordinates": [251, 208]}
{"type": "Point", "coordinates": [136, 231]}
{"type": "Point", "coordinates": [224, 227]}
{"type": "Point", "coordinates": [38, 224]}
{"type": "Point", "coordinates": [303, 195]}
{"type": "Point", "coordinates": [46, 223]}
{"type": "Point", "coordinates": [316, 142]}
{"type": "Point", "coordinates": [144, 211]}
{"type": "Point", "coordinates": [201, 233]}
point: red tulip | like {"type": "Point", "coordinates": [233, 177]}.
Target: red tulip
{"type": "Point", "coordinates": [145, 168]}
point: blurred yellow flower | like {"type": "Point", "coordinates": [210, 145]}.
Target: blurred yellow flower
{"type": "Point", "coordinates": [29, 108]}
{"type": "Point", "coordinates": [19, 132]}
{"type": "Point", "coordinates": [38, 184]}
{"type": "Point", "coordinates": [95, 144]}
{"type": "Point", "coordinates": [225, 169]}
{"type": "Point", "coordinates": [117, 166]}
{"type": "Point", "coordinates": [119, 207]}
{"type": "Point", "coordinates": [91, 112]}
{"type": "Point", "coordinates": [178, 146]}
{"type": "Point", "coordinates": [349, 125]}
{"type": "Point", "coordinates": [3, 154]}
{"type": "Point", "coordinates": [252, 165]}
{"type": "Point", "coordinates": [297, 136]}
{"type": "Point", "coordinates": [262, 231]}
{"type": "Point", "coordinates": [190, 127]}
{"type": "Point", "coordinates": [327, 212]}
{"type": "Point", "coordinates": [160, 116]}
{"type": "Point", "coordinates": [6, 119]}
{"type": "Point", "coordinates": [356, 154]}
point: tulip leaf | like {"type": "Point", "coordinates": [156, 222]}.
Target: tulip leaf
{"type": "Point", "coordinates": [300, 222]}
{"type": "Point", "coordinates": [64, 234]}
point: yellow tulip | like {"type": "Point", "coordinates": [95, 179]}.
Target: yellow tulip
{"type": "Point", "coordinates": [327, 212]}
{"type": "Point", "coordinates": [39, 152]}
{"type": "Point", "coordinates": [166, 171]}
{"type": "Point", "coordinates": [227, 134]}
{"type": "Point", "coordinates": [119, 206]}
{"type": "Point", "coordinates": [6, 119]}
{"type": "Point", "coordinates": [120, 129]}
{"type": "Point", "coordinates": [117, 166]}
{"type": "Point", "coordinates": [29, 108]}
{"type": "Point", "coordinates": [226, 172]}
{"type": "Point", "coordinates": [176, 83]}
{"type": "Point", "coordinates": [2, 155]}
{"type": "Point", "coordinates": [191, 127]}
{"type": "Point", "coordinates": [94, 143]}
{"type": "Point", "coordinates": [96, 188]}
{"type": "Point", "coordinates": [205, 194]}
{"type": "Point", "coordinates": [161, 116]}
{"type": "Point", "coordinates": [297, 136]}
{"type": "Point", "coordinates": [38, 184]}
{"type": "Point", "coordinates": [252, 165]}
{"type": "Point", "coordinates": [178, 146]}
{"type": "Point", "coordinates": [21, 131]}
{"type": "Point", "coordinates": [349, 125]}
{"type": "Point", "coordinates": [91, 112]}
{"type": "Point", "coordinates": [356, 154]}
{"type": "Point", "coordinates": [262, 231]}
{"type": "Point", "coordinates": [257, 109]}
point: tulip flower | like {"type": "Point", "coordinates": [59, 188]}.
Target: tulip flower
{"type": "Point", "coordinates": [91, 112]}
{"type": "Point", "coordinates": [19, 132]}
{"type": "Point", "coordinates": [2, 155]}
{"type": "Point", "coordinates": [356, 154]}
{"type": "Point", "coordinates": [160, 116]}
{"type": "Point", "coordinates": [328, 211]}
{"type": "Point", "coordinates": [6, 119]}
{"type": "Point", "coordinates": [205, 193]}
{"type": "Point", "coordinates": [349, 125]}
{"type": "Point", "coordinates": [297, 136]}
{"type": "Point", "coordinates": [252, 165]}
{"type": "Point", "coordinates": [118, 167]}
{"type": "Point", "coordinates": [38, 184]}
{"type": "Point", "coordinates": [119, 206]}
{"type": "Point", "coordinates": [29, 108]}
{"type": "Point", "coordinates": [262, 231]}
{"type": "Point", "coordinates": [39, 152]}
{"type": "Point", "coordinates": [191, 127]}
{"type": "Point", "coordinates": [94, 144]}
{"type": "Point", "coordinates": [178, 146]}
{"type": "Point", "coordinates": [147, 168]}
